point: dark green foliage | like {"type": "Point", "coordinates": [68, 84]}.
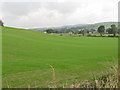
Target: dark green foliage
{"type": "Point", "coordinates": [92, 30]}
{"type": "Point", "coordinates": [1, 23]}
{"type": "Point", "coordinates": [49, 31]}
{"type": "Point", "coordinates": [82, 32]}
{"type": "Point", "coordinates": [109, 30]}
{"type": "Point", "coordinates": [114, 29]}
{"type": "Point", "coordinates": [101, 29]}
{"type": "Point", "coordinates": [118, 31]}
{"type": "Point", "coordinates": [88, 31]}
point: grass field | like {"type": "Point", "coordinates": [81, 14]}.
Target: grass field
{"type": "Point", "coordinates": [30, 56]}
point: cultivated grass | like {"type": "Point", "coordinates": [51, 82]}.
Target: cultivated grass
{"type": "Point", "coordinates": [29, 55]}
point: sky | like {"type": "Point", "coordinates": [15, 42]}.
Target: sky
{"type": "Point", "coordinates": [52, 13]}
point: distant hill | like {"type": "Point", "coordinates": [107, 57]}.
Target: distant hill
{"type": "Point", "coordinates": [60, 28]}
{"type": "Point", "coordinates": [77, 27]}
{"type": "Point", "coordinates": [106, 24]}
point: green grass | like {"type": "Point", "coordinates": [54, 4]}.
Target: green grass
{"type": "Point", "coordinates": [0, 57]}
{"type": "Point", "coordinates": [27, 56]}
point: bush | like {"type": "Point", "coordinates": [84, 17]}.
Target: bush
{"type": "Point", "coordinates": [89, 35]}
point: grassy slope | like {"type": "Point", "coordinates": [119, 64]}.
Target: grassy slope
{"type": "Point", "coordinates": [27, 55]}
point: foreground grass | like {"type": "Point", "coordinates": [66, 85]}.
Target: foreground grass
{"type": "Point", "coordinates": [106, 79]}
{"type": "Point", "coordinates": [28, 57]}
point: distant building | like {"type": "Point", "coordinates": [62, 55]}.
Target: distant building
{"type": "Point", "coordinates": [1, 23]}
{"type": "Point", "coordinates": [95, 32]}
{"type": "Point", "coordinates": [90, 32]}
{"type": "Point", "coordinates": [70, 32]}
{"type": "Point", "coordinates": [45, 32]}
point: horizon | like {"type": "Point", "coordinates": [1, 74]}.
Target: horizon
{"type": "Point", "coordinates": [63, 25]}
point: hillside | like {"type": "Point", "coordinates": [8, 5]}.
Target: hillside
{"type": "Point", "coordinates": [30, 56]}
{"type": "Point", "coordinates": [77, 27]}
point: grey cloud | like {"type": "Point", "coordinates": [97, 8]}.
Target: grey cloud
{"type": "Point", "coordinates": [63, 7]}
{"type": "Point", "coordinates": [19, 8]}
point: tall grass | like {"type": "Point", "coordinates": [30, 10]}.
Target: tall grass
{"type": "Point", "coordinates": [107, 79]}
{"type": "Point", "coordinates": [52, 84]}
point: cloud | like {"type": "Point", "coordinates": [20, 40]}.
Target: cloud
{"type": "Point", "coordinates": [43, 14]}
{"type": "Point", "coordinates": [63, 7]}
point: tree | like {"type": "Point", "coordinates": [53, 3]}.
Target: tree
{"type": "Point", "coordinates": [49, 31]}
{"type": "Point", "coordinates": [101, 29]}
{"type": "Point", "coordinates": [114, 29]}
{"type": "Point", "coordinates": [109, 30]}
{"type": "Point", "coordinates": [88, 31]}
{"type": "Point", "coordinates": [118, 31]}
{"type": "Point", "coordinates": [92, 30]}
{"type": "Point", "coordinates": [1, 23]}
{"type": "Point", "coordinates": [82, 32]}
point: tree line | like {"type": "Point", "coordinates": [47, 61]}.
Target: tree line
{"type": "Point", "coordinates": [112, 30]}
{"type": "Point", "coordinates": [101, 30]}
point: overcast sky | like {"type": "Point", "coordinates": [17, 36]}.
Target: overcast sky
{"type": "Point", "coordinates": [58, 12]}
